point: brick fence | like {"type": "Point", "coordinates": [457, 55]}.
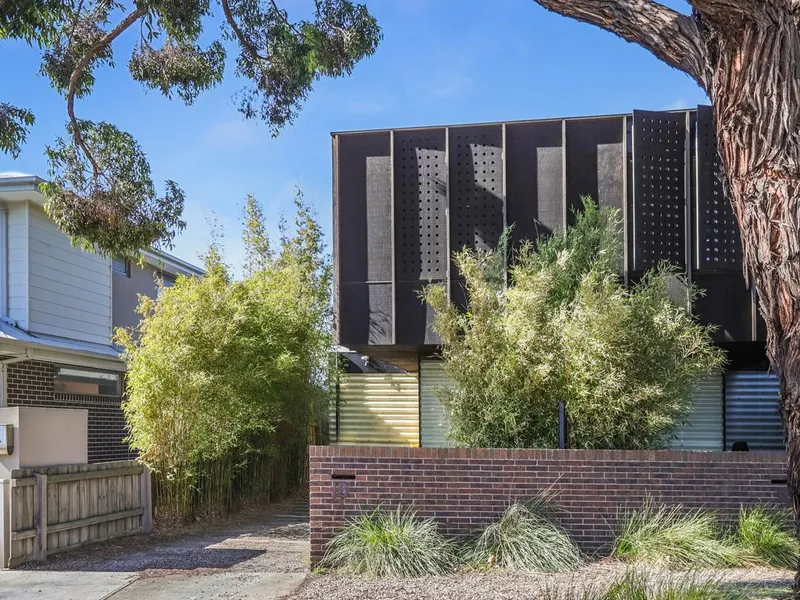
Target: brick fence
{"type": "Point", "coordinates": [466, 489]}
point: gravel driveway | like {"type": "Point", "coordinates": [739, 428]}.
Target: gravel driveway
{"type": "Point", "coordinates": [257, 555]}
{"type": "Point", "coordinates": [505, 586]}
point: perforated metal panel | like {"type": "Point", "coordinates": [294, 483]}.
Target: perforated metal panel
{"type": "Point", "coordinates": [719, 246]}
{"type": "Point", "coordinates": [534, 179]}
{"type": "Point", "coordinates": [727, 304]}
{"type": "Point", "coordinates": [365, 314]}
{"type": "Point", "coordinates": [752, 411]}
{"type": "Point", "coordinates": [363, 189]}
{"type": "Point", "coordinates": [476, 187]}
{"type": "Point", "coordinates": [595, 157]}
{"type": "Point", "coordinates": [420, 205]}
{"type": "Point", "coordinates": [703, 429]}
{"type": "Point", "coordinates": [378, 409]}
{"type": "Point", "coordinates": [659, 193]}
{"type": "Point", "coordinates": [434, 418]}
{"type": "Point", "coordinates": [414, 317]}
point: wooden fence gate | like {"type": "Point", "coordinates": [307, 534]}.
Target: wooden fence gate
{"type": "Point", "coordinates": [52, 509]}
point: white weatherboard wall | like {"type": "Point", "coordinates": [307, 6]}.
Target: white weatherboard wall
{"type": "Point", "coordinates": [18, 242]}
{"type": "Point", "coordinates": [54, 288]}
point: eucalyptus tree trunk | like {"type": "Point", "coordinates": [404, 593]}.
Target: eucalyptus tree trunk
{"type": "Point", "coordinates": [746, 55]}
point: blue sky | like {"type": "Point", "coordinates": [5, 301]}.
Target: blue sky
{"type": "Point", "coordinates": [441, 61]}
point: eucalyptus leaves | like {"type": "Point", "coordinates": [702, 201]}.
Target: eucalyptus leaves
{"type": "Point", "coordinates": [101, 192]}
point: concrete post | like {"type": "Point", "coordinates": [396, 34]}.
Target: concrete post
{"type": "Point", "coordinates": [5, 523]}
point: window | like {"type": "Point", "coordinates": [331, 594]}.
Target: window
{"type": "Point", "coordinates": [121, 266]}
{"type": "Point", "coordinates": [73, 380]}
{"type": "Point", "coordinates": [168, 279]}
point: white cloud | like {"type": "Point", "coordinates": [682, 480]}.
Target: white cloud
{"type": "Point", "coordinates": [678, 104]}
{"type": "Point", "coordinates": [233, 133]}
{"type": "Point", "coordinates": [364, 107]}
{"type": "Point", "coordinates": [449, 83]}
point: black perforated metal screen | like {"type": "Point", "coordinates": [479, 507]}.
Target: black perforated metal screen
{"type": "Point", "coordinates": [659, 189]}
{"type": "Point", "coordinates": [719, 245]}
{"type": "Point", "coordinates": [406, 199]}
{"type": "Point", "coordinates": [534, 183]}
{"type": "Point", "coordinates": [476, 187]}
{"type": "Point", "coordinates": [420, 205]}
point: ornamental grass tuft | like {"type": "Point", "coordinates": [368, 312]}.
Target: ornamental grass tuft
{"type": "Point", "coordinates": [674, 538]}
{"type": "Point", "coordinates": [639, 585]}
{"type": "Point", "coordinates": [395, 543]}
{"type": "Point", "coordinates": [525, 539]}
{"type": "Point", "coordinates": [766, 537]}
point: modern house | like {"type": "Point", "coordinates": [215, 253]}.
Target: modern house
{"type": "Point", "coordinates": [405, 199]}
{"type": "Point", "coordinates": [59, 306]}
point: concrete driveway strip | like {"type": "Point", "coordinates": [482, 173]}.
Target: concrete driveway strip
{"type": "Point", "coordinates": [259, 556]}
{"type": "Point", "coordinates": [61, 585]}
{"type": "Point", "coordinates": [212, 586]}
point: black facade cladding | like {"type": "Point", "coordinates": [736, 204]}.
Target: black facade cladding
{"type": "Point", "coordinates": [405, 199]}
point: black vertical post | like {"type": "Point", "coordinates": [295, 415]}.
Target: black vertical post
{"type": "Point", "coordinates": [563, 430]}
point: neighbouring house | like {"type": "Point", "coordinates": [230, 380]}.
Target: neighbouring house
{"type": "Point", "coordinates": [59, 306]}
{"type": "Point", "coordinates": [405, 199]}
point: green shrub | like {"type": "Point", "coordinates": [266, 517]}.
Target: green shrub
{"type": "Point", "coordinates": [767, 537]}
{"type": "Point", "coordinates": [674, 538]}
{"type": "Point", "coordinates": [635, 585]}
{"type": "Point", "coordinates": [391, 544]}
{"type": "Point", "coordinates": [525, 539]}
{"type": "Point", "coordinates": [560, 326]}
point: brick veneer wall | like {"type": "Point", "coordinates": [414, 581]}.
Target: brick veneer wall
{"type": "Point", "coordinates": [466, 489]}
{"type": "Point", "coordinates": [31, 383]}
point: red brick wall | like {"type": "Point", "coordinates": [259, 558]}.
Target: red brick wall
{"type": "Point", "coordinates": [31, 383]}
{"type": "Point", "coordinates": [465, 489]}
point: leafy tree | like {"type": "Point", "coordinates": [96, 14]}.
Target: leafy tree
{"type": "Point", "coordinates": [565, 329]}
{"type": "Point", "coordinates": [215, 362]}
{"type": "Point", "coordinates": [101, 192]}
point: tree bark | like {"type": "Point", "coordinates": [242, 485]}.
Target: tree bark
{"type": "Point", "coordinates": [746, 56]}
{"type": "Point", "coordinates": [755, 89]}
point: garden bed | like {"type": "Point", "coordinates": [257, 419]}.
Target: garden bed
{"type": "Point", "coordinates": [759, 583]}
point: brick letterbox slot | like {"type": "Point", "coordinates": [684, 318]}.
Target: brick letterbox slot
{"type": "Point", "coordinates": [341, 484]}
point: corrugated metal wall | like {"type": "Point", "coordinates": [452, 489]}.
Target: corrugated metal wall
{"type": "Point", "coordinates": [434, 419]}
{"type": "Point", "coordinates": [703, 430]}
{"type": "Point", "coordinates": [377, 409]}
{"type": "Point", "coordinates": [752, 412]}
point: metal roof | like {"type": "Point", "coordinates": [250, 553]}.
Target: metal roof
{"type": "Point", "coordinates": [11, 333]}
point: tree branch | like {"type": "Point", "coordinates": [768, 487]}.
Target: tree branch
{"type": "Point", "coordinates": [246, 44]}
{"type": "Point", "coordinates": [671, 36]}
{"type": "Point", "coordinates": [76, 73]}
{"type": "Point", "coordinates": [730, 11]}
{"type": "Point", "coordinates": [284, 18]}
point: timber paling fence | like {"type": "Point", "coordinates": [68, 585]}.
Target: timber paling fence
{"type": "Point", "coordinates": [53, 509]}
{"type": "Point", "coordinates": [265, 472]}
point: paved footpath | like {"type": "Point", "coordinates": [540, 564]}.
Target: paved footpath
{"type": "Point", "coordinates": [257, 556]}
